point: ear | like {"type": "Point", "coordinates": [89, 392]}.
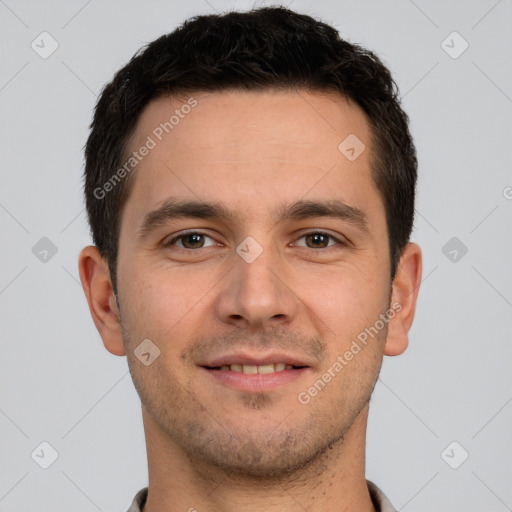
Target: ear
{"type": "Point", "coordinates": [95, 278]}
{"type": "Point", "coordinates": [405, 290]}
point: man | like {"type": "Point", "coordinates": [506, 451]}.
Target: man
{"type": "Point", "coordinates": [250, 185]}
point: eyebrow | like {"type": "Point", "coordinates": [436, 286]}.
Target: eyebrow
{"type": "Point", "coordinates": [299, 210]}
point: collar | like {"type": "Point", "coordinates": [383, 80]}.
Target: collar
{"type": "Point", "coordinates": [380, 502]}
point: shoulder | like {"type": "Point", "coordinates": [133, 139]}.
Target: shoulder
{"type": "Point", "coordinates": [139, 501]}
{"type": "Point", "coordinates": [380, 501]}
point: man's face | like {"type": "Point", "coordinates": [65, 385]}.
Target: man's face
{"type": "Point", "coordinates": [256, 286]}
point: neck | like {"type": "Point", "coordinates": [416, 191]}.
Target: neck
{"type": "Point", "coordinates": [334, 481]}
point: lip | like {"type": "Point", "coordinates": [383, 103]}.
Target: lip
{"type": "Point", "coordinates": [255, 359]}
{"type": "Point", "coordinates": [255, 383]}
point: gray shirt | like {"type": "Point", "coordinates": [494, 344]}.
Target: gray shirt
{"type": "Point", "coordinates": [380, 502]}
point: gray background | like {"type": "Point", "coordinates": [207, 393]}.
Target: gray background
{"type": "Point", "coordinates": [57, 382]}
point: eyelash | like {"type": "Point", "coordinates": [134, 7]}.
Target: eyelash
{"type": "Point", "coordinates": [192, 232]}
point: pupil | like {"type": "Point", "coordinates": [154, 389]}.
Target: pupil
{"type": "Point", "coordinates": [193, 239]}
{"type": "Point", "coordinates": [318, 237]}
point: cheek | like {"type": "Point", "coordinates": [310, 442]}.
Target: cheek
{"type": "Point", "coordinates": [166, 305]}
{"type": "Point", "coordinates": [345, 300]}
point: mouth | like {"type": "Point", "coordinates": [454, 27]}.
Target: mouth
{"type": "Point", "coordinates": [252, 369]}
{"type": "Point", "coordinates": [255, 374]}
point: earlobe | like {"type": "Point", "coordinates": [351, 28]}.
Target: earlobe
{"type": "Point", "coordinates": [97, 286]}
{"type": "Point", "coordinates": [404, 296]}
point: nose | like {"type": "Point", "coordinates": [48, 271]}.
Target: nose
{"type": "Point", "coordinates": [257, 295]}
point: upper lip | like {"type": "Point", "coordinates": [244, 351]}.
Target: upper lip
{"type": "Point", "coordinates": [255, 359]}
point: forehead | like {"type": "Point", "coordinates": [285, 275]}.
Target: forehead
{"type": "Point", "coordinates": [251, 149]}
{"type": "Point", "coordinates": [229, 122]}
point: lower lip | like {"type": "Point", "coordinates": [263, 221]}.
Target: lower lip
{"type": "Point", "coordinates": [257, 382]}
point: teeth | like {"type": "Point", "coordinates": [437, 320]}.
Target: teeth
{"type": "Point", "coordinates": [252, 369]}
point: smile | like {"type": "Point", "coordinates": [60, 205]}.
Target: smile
{"type": "Point", "coordinates": [253, 369]}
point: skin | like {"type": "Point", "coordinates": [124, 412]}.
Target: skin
{"type": "Point", "coordinates": [211, 447]}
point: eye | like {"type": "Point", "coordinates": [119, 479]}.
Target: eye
{"type": "Point", "coordinates": [197, 240]}
{"type": "Point", "coordinates": [318, 240]}
{"type": "Point", "coordinates": [190, 240]}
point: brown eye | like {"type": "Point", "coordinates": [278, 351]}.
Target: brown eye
{"type": "Point", "coordinates": [318, 240]}
{"type": "Point", "coordinates": [191, 240]}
